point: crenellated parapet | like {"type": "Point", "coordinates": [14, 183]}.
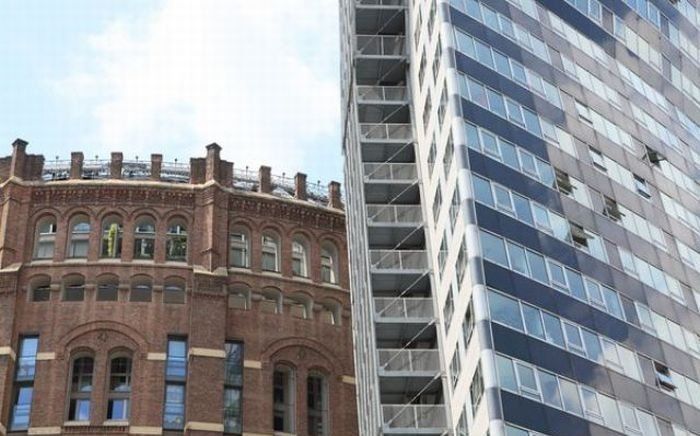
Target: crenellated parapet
{"type": "Point", "coordinates": [199, 171]}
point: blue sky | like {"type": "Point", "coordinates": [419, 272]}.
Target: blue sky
{"type": "Point", "coordinates": [260, 78]}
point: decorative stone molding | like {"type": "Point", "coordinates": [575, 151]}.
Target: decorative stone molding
{"type": "Point", "coordinates": [156, 356]}
{"type": "Point", "coordinates": [8, 351]}
{"type": "Point", "coordinates": [348, 379]}
{"type": "Point", "coordinates": [145, 430]}
{"type": "Point", "coordinates": [204, 426]}
{"type": "Point", "coordinates": [207, 352]}
{"type": "Point", "coordinates": [46, 356]}
{"type": "Point", "coordinates": [43, 430]}
{"type": "Point", "coordinates": [252, 364]}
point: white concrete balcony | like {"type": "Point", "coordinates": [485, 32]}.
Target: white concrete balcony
{"type": "Point", "coordinates": [383, 132]}
{"type": "Point", "coordinates": [399, 260]}
{"type": "Point", "coordinates": [395, 172]}
{"type": "Point", "coordinates": [385, 3]}
{"type": "Point", "coordinates": [403, 309]}
{"type": "Point", "coordinates": [381, 45]}
{"type": "Point", "coordinates": [422, 419]}
{"type": "Point", "coordinates": [382, 214]}
{"type": "Point", "coordinates": [382, 94]}
{"type": "Point", "coordinates": [409, 362]}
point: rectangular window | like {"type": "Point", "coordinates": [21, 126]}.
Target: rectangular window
{"type": "Point", "coordinates": [550, 388]}
{"type": "Point", "coordinates": [233, 387]}
{"type": "Point", "coordinates": [174, 407]}
{"type": "Point", "coordinates": [24, 384]}
{"type": "Point", "coordinates": [175, 376]}
{"type": "Point", "coordinates": [505, 310]}
{"type": "Point", "coordinates": [494, 248]}
{"type": "Point", "coordinates": [533, 321]}
{"type": "Point", "coordinates": [476, 389]}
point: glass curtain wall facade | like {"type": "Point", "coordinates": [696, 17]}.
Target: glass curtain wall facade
{"type": "Point", "coordinates": [524, 207]}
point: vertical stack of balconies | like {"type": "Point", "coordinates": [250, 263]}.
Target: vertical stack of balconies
{"type": "Point", "coordinates": [391, 280]}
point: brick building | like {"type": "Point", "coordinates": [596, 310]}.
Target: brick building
{"type": "Point", "coordinates": [151, 297]}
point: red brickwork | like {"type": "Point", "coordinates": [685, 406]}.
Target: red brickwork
{"type": "Point", "coordinates": [209, 317]}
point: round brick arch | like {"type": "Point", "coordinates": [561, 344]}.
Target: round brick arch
{"type": "Point", "coordinates": [93, 329]}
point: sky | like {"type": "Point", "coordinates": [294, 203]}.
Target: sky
{"type": "Point", "coordinates": [260, 78]}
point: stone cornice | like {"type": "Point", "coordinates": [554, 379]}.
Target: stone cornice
{"type": "Point", "coordinates": [113, 192]}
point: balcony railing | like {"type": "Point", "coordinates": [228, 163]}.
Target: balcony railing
{"type": "Point", "coordinates": [398, 259]}
{"type": "Point", "coordinates": [403, 307]}
{"type": "Point", "coordinates": [409, 360]}
{"type": "Point", "coordinates": [382, 93]}
{"type": "Point", "coordinates": [387, 213]}
{"type": "Point", "coordinates": [382, 2]}
{"type": "Point", "coordinates": [394, 132]}
{"type": "Point", "coordinates": [391, 171]}
{"type": "Point", "coordinates": [401, 416]}
{"type": "Point", "coordinates": [381, 45]}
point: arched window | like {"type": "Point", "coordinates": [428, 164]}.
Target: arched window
{"type": "Point", "coordinates": [301, 306]}
{"type": "Point", "coordinates": [79, 237]}
{"type": "Point", "coordinates": [112, 235]}
{"type": "Point", "coordinates": [108, 288]}
{"type": "Point", "coordinates": [317, 404]}
{"type": "Point", "coordinates": [271, 301]}
{"type": "Point", "coordinates": [330, 312]}
{"type": "Point", "coordinates": [270, 253]}
{"type": "Point", "coordinates": [118, 401]}
{"type": "Point", "coordinates": [174, 291]}
{"type": "Point", "coordinates": [239, 297]}
{"type": "Point", "coordinates": [81, 389]}
{"type": "Point", "coordinates": [141, 289]}
{"type": "Point", "coordinates": [283, 410]}
{"type": "Point", "coordinates": [239, 248]}
{"type": "Point", "coordinates": [176, 240]}
{"type": "Point", "coordinates": [329, 264]}
{"type": "Point", "coordinates": [40, 289]}
{"type": "Point", "coordinates": [144, 238]}
{"type": "Point", "coordinates": [299, 258]}
{"type": "Point", "coordinates": [45, 238]}
{"type": "Point", "coordinates": [74, 288]}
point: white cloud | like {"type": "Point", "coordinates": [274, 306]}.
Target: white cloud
{"type": "Point", "coordinates": [257, 77]}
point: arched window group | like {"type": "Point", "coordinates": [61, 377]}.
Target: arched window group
{"type": "Point", "coordinates": [273, 301]}
{"type": "Point", "coordinates": [271, 254]}
{"type": "Point", "coordinates": [111, 238]}
{"type": "Point", "coordinates": [82, 378]}
{"type": "Point", "coordinates": [284, 407]}
{"type": "Point", "coordinates": [107, 286]}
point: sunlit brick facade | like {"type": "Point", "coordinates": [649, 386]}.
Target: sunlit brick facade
{"type": "Point", "coordinates": [157, 298]}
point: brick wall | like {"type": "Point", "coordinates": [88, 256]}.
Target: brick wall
{"type": "Point", "coordinates": [207, 318]}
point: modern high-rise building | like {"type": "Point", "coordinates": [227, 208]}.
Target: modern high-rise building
{"type": "Point", "coordinates": [524, 215]}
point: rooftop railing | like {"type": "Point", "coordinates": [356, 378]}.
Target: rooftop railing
{"type": "Point", "coordinates": [381, 45]}
{"type": "Point", "coordinates": [404, 307]}
{"type": "Point", "coordinates": [177, 172]}
{"type": "Point", "coordinates": [409, 360]}
{"type": "Point", "coordinates": [403, 416]}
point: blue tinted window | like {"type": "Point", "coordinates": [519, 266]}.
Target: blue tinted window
{"type": "Point", "coordinates": [505, 310]}
{"type": "Point", "coordinates": [576, 284]}
{"type": "Point", "coordinates": [522, 208]}
{"type": "Point", "coordinates": [509, 154]}
{"type": "Point", "coordinates": [553, 328]}
{"type": "Point", "coordinates": [533, 322]}
{"type": "Point", "coordinates": [538, 270]}
{"type": "Point", "coordinates": [494, 248]}
{"type": "Point", "coordinates": [482, 191]}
